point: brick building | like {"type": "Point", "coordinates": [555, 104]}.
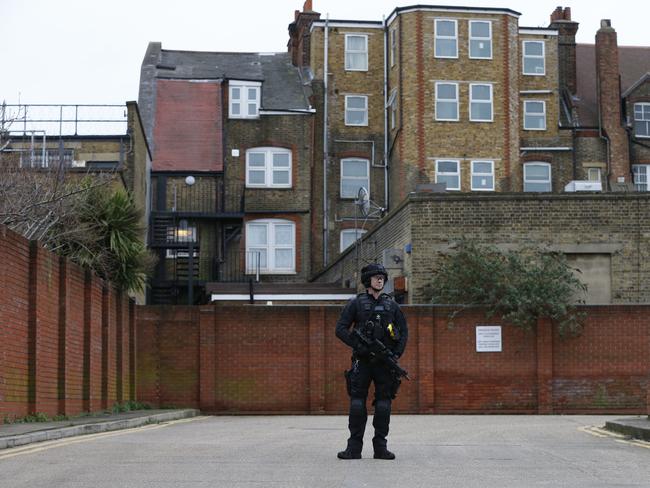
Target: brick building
{"type": "Point", "coordinates": [458, 99]}
{"type": "Point", "coordinates": [231, 181]}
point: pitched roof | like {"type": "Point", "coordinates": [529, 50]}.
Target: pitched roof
{"type": "Point", "coordinates": [634, 63]}
{"type": "Point", "coordinates": [282, 87]}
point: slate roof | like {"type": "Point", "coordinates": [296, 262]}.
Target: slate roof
{"type": "Point", "coordinates": [282, 87]}
{"type": "Point", "coordinates": [634, 64]}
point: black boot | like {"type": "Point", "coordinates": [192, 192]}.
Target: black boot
{"type": "Point", "coordinates": [349, 454]}
{"type": "Point", "coordinates": [383, 454]}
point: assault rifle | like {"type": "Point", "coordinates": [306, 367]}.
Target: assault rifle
{"type": "Point", "coordinates": [380, 351]}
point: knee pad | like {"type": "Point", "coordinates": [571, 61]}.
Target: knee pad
{"type": "Point", "coordinates": [382, 407]}
{"type": "Point", "coordinates": [357, 406]}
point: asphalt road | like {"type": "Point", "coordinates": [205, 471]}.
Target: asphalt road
{"type": "Point", "coordinates": [300, 451]}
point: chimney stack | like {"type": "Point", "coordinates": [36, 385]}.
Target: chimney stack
{"type": "Point", "coordinates": [567, 29]}
{"type": "Point", "coordinates": [609, 103]}
{"type": "Point", "coordinates": [299, 36]}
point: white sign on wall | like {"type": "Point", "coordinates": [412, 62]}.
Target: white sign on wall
{"type": "Point", "coordinates": [488, 338]}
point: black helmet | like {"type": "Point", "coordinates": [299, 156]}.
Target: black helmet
{"type": "Point", "coordinates": [371, 270]}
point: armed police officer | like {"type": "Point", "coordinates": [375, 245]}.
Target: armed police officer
{"type": "Point", "coordinates": [369, 319]}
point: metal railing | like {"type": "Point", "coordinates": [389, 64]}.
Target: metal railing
{"type": "Point", "coordinates": [64, 120]}
{"type": "Point", "coordinates": [238, 267]}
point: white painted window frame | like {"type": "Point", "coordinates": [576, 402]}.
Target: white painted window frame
{"type": "Point", "coordinates": [641, 172]}
{"type": "Point", "coordinates": [536, 114]}
{"type": "Point", "coordinates": [393, 46]}
{"type": "Point", "coordinates": [535, 56]}
{"type": "Point", "coordinates": [269, 168]}
{"type": "Point", "coordinates": [645, 107]}
{"type": "Point", "coordinates": [447, 173]}
{"type": "Point", "coordinates": [364, 110]}
{"type": "Point", "coordinates": [436, 37]}
{"type": "Point", "coordinates": [271, 246]}
{"type": "Point", "coordinates": [244, 101]}
{"type": "Point", "coordinates": [479, 39]}
{"type": "Point", "coordinates": [598, 171]}
{"type": "Point", "coordinates": [479, 174]}
{"type": "Point", "coordinates": [490, 102]}
{"type": "Point", "coordinates": [550, 175]}
{"type": "Point", "coordinates": [346, 232]}
{"type": "Point", "coordinates": [456, 100]}
{"type": "Point", "coordinates": [354, 52]}
{"type": "Point", "coordinates": [365, 180]}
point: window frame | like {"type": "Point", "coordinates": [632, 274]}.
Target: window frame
{"type": "Point", "coordinates": [354, 51]}
{"type": "Point", "coordinates": [549, 181]}
{"type": "Point", "coordinates": [365, 111]}
{"type": "Point", "coordinates": [600, 173]}
{"type": "Point", "coordinates": [543, 114]}
{"type": "Point", "coordinates": [244, 101]}
{"type": "Point", "coordinates": [456, 100]}
{"type": "Point", "coordinates": [270, 249]}
{"type": "Point", "coordinates": [269, 168]}
{"type": "Point", "coordinates": [366, 179]}
{"type": "Point", "coordinates": [490, 101]}
{"type": "Point", "coordinates": [645, 107]}
{"type": "Point", "coordinates": [536, 56]}
{"type": "Point", "coordinates": [471, 38]}
{"type": "Point", "coordinates": [473, 174]}
{"type": "Point", "coordinates": [446, 173]}
{"type": "Point", "coordinates": [358, 232]}
{"type": "Point", "coordinates": [436, 37]}
{"type": "Point", "coordinates": [636, 174]}
{"type": "Point", "coordinates": [392, 104]}
{"type": "Point", "coordinates": [393, 46]}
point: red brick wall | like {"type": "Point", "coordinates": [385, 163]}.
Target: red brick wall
{"type": "Point", "coordinates": [283, 359]}
{"type": "Point", "coordinates": [14, 324]}
{"type": "Point", "coordinates": [51, 346]}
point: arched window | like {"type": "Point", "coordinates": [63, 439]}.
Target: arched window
{"type": "Point", "coordinates": [537, 177]}
{"type": "Point", "coordinates": [271, 245]}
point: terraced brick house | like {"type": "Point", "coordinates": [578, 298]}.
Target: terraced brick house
{"type": "Point", "coordinates": [232, 189]}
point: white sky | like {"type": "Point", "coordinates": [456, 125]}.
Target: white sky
{"type": "Point", "coordinates": [90, 51]}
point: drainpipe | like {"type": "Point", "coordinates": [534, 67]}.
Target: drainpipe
{"type": "Point", "coordinates": [600, 128]}
{"type": "Point", "coordinates": [325, 142]}
{"type": "Point", "coordinates": [386, 111]}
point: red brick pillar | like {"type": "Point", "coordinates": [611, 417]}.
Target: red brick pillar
{"type": "Point", "coordinates": [132, 351]}
{"type": "Point", "coordinates": [316, 359]}
{"type": "Point", "coordinates": [421, 322]}
{"type": "Point", "coordinates": [207, 358]}
{"type": "Point", "coordinates": [92, 367]}
{"type": "Point", "coordinates": [544, 366]}
{"type": "Point", "coordinates": [43, 330]}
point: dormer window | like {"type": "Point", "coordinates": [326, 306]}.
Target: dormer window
{"type": "Point", "coordinates": [244, 99]}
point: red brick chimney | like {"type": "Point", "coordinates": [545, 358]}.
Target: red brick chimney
{"type": "Point", "coordinates": [299, 36]}
{"type": "Point", "coordinates": [567, 29]}
{"type": "Point", "coordinates": [608, 84]}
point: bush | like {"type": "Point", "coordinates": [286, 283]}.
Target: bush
{"type": "Point", "coordinates": [518, 286]}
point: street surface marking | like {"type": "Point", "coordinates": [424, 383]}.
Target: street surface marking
{"type": "Point", "coordinates": [623, 439]}
{"type": "Point", "coordinates": [43, 446]}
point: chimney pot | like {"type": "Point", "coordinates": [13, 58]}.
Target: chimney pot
{"type": "Point", "coordinates": [605, 23]}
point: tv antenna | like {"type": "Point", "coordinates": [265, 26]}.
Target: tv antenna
{"type": "Point", "coordinates": [367, 209]}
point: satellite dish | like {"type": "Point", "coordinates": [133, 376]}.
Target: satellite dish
{"type": "Point", "coordinates": [363, 201]}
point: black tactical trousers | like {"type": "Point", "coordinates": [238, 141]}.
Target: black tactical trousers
{"type": "Point", "coordinates": [359, 378]}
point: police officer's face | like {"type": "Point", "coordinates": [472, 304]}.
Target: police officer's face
{"type": "Point", "coordinates": [377, 282]}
